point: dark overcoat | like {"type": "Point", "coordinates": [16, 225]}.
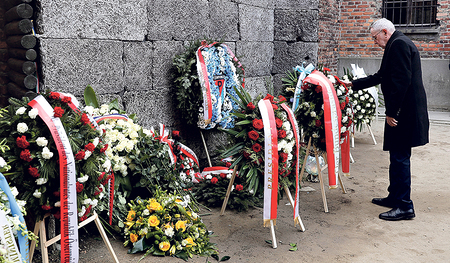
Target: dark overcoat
{"type": "Point", "coordinates": [400, 76]}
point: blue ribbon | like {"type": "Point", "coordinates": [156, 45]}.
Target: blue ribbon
{"type": "Point", "coordinates": [298, 89]}
{"type": "Point", "coordinates": [15, 211]}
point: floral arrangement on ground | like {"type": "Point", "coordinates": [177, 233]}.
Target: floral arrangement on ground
{"type": "Point", "coordinates": [165, 225]}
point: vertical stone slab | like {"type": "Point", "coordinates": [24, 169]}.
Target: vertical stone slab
{"type": "Point", "coordinates": [138, 65]}
{"type": "Point", "coordinates": [296, 26]}
{"type": "Point", "coordinates": [224, 20]}
{"type": "Point", "coordinates": [256, 23]}
{"type": "Point", "coordinates": [257, 57]}
{"type": "Point", "coordinates": [164, 52]}
{"type": "Point", "coordinates": [288, 55]}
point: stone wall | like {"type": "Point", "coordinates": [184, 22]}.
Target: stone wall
{"type": "Point", "coordinates": [124, 49]}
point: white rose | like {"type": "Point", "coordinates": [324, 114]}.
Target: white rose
{"type": "Point", "coordinates": [41, 141]}
{"type": "Point", "coordinates": [344, 119]}
{"type": "Point", "coordinates": [87, 201]}
{"type": "Point", "coordinates": [22, 127]}
{"type": "Point", "coordinates": [366, 96]}
{"type": "Point", "coordinates": [358, 107]}
{"type": "Point", "coordinates": [350, 91]}
{"type": "Point", "coordinates": [14, 191]}
{"type": "Point", "coordinates": [20, 111]}
{"type": "Point", "coordinates": [41, 181]}
{"type": "Point", "coordinates": [37, 194]}
{"type": "Point", "coordinates": [363, 111]}
{"type": "Point", "coordinates": [46, 153]}
{"type": "Point", "coordinates": [360, 92]}
{"type": "Point", "coordinates": [362, 98]}
{"type": "Point", "coordinates": [331, 78]}
{"type": "Point", "coordinates": [338, 92]}
{"type": "Point", "coordinates": [355, 102]}
{"type": "Point", "coordinates": [342, 88]}
{"type": "Point", "coordinates": [371, 100]}
{"type": "Point", "coordinates": [87, 154]}
{"type": "Point", "coordinates": [58, 204]}
{"type": "Point", "coordinates": [313, 114]}
{"type": "Point", "coordinates": [33, 113]}
{"type": "Point", "coordinates": [2, 162]}
{"type": "Point", "coordinates": [208, 177]}
{"type": "Point", "coordinates": [83, 179]}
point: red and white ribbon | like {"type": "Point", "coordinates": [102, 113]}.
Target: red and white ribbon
{"type": "Point", "coordinates": [295, 130]}
{"type": "Point", "coordinates": [332, 122]}
{"type": "Point", "coordinates": [69, 220]}
{"type": "Point", "coordinates": [345, 154]}
{"type": "Point", "coordinates": [270, 162]}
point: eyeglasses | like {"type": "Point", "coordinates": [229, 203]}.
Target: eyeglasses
{"type": "Point", "coordinates": [375, 37]}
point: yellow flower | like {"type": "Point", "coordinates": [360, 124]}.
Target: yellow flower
{"type": "Point", "coordinates": [180, 225]}
{"type": "Point", "coordinates": [129, 224]}
{"type": "Point", "coordinates": [153, 221]}
{"type": "Point", "coordinates": [173, 249]}
{"type": "Point", "coordinates": [189, 242]}
{"type": "Point", "coordinates": [133, 237]}
{"type": "Point", "coordinates": [164, 246]}
{"type": "Point", "coordinates": [131, 215]}
{"type": "Point", "coordinates": [154, 206]}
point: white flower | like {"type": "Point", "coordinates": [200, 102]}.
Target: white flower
{"type": "Point", "coordinates": [83, 179]}
{"type": "Point", "coordinates": [371, 100]}
{"type": "Point", "coordinates": [313, 114]}
{"type": "Point", "coordinates": [41, 181]}
{"type": "Point", "coordinates": [331, 78]}
{"type": "Point", "coordinates": [360, 92]}
{"type": "Point", "coordinates": [208, 177]}
{"type": "Point", "coordinates": [46, 153]}
{"type": "Point", "coordinates": [87, 154]}
{"type": "Point", "coordinates": [83, 210]}
{"type": "Point", "coordinates": [344, 119]}
{"type": "Point", "coordinates": [2, 162]}
{"type": "Point", "coordinates": [362, 98]}
{"type": "Point", "coordinates": [20, 111]}
{"type": "Point", "coordinates": [315, 135]}
{"type": "Point", "coordinates": [338, 93]}
{"type": "Point", "coordinates": [355, 102]}
{"type": "Point", "coordinates": [89, 110]}
{"type": "Point", "coordinates": [87, 201]}
{"type": "Point", "coordinates": [363, 110]}
{"type": "Point", "coordinates": [343, 129]}
{"type": "Point", "coordinates": [145, 212]}
{"type": "Point", "coordinates": [37, 194]}
{"type": "Point", "coordinates": [345, 77]}
{"type": "Point", "coordinates": [57, 204]}
{"type": "Point", "coordinates": [366, 96]}
{"type": "Point", "coordinates": [33, 113]}
{"type": "Point", "coordinates": [350, 91]}
{"type": "Point", "coordinates": [96, 141]}
{"type": "Point", "coordinates": [358, 107]}
{"type": "Point", "coordinates": [169, 231]}
{"type": "Point", "coordinates": [41, 141]}
{"type": "Point", "coordinates": [22, 127]}
{"type": "Point", "coordinates": [367, 105]}
{"type": "Point", "coordinates": [342, 88]}
{"type": "Point", "coordinates": [104, 109]}
{"type": "Point", "coordinates": [107, 165]}
{"type": "Point", "coordinates": [14, 191]}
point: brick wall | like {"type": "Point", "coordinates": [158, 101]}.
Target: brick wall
{"type": "Point", "coordinates": [328, 33]}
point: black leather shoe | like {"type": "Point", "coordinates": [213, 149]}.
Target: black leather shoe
{"type": "Point", "coordinates": [383, 202]}
{"type": "Point", "coordinates": [398, 214]}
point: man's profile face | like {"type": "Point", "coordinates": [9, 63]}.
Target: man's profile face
{"type": "Point", "coordinates": [380, 37]}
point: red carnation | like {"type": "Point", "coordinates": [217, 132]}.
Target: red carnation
{"type": "Point", "coordinates": [228, 164]}
{"type": "Point", "coordinates": [54, 95]}
{"type": "Point", "coordinates": [305, 87]}
{"type": "Point", "coordinates": [188, 172]}
{"type": "Point", "coordinates": [214, 180]}
{"type": "Point", "coordinates": [58, 112]}
{"type": "Point", "coordinates": [281, 134]}
{"type": "Point", "coordinates": [239, 187]}
{"type": "Point", "coordinates": [275, 107]}
{"type": "Point", "coordinates": [269, 97]}
{"type": "Point", "coordinates": [79, 187]}
{"type": "Point", "coordinates": [89, 147]}
{"type": "Point", "coordinates": [279, 122]}
{"type": "Point", "coordinates": [80, 155]}
{"type": "Point", "coordinates": [318, 89]}
{"type": "Point", "coordinates": [105, 147]}
{"type": "Point", "coordinates": [66, 99]}
{"type": "Point", "coordinates": [33, 171]}
{"type": "Point", "coordinates": [26, 155]}
{"type": "Point", "coordinates": [223, 175]}
{"type": "Point", "coordinates": [283, 157]}
{"type": "Point", "coordinates": [246, 155]}
{"type": "Point", "coordinates": [46, 207]}
{"type": "Point", "coordinates": [258, 124]}
{"type": "Point", "coordinates": [251, 106]}
{"type": "Point", "coordinates": [176, 134]}
{"type": "Point", "coordinates": [84, 119]}
{"type": "Point", "coordinates": [22, 142]}
{"type": "Point", "coordinates": [256, 147]}
{"type": "Point", "coordinates": [318, 123]}
{"type": "Point", "coordinates": [342, 105]}
{"type": "Point", "coordinates": [281, 98]}
{"type": "Point", "coordinates": [253, 135]}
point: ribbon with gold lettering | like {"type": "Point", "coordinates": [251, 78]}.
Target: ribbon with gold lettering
{"type": "Point", "coordinates": [69, 220]}
{"type": "Point", "coordinates": [270, 162]}
{"type": "Point", "coordinates": [332, 122]}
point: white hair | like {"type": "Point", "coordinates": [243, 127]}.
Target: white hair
{"type": "Point", "coordinates": [381, 24]}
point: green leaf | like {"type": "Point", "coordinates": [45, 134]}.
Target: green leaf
{"type": "Point", "coordinates": [244, 122]}
{"type": "Point", "coordinates": [269, 241]}
{"type": "Point", "coordinates": [225, 258]}
{"type": "Point", "coordinates": [293, 247]}
{"type": "Point", "coordinates": [90, 99]}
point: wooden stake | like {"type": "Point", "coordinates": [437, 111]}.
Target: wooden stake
{"type": "Point", "coordinates": [272, 230]}
{"type": "Point", "coordinates": [291, 200]}
{"type": "Point", "coordinates": [39, 228]}
{"type": "Point", "coordinates": [319, 171]}
{"type": "Point", "coordinates": [206, 149]}
{"type": "Point", "coordinates": [230, 185]}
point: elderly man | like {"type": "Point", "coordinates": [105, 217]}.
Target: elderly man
{"type": "Point", "coordinates": [407, 123]}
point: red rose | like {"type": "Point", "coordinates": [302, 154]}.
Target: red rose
{"type": "Point", "coordinates": [223, 175]}
{"type": "Point", "coordinates": [57, 215]}
{"type": "Point", "coordinates": [279, 122]}
{"type": "Point", "coordinates": [305, 87]}
{"type": "Point", "coordinates": [188, 172]}
{"type": "Point", "coordinates": [281, 134]}
{"type": "Point", "coordinates": [105, 147]}
{"type": "Point", "coordinates": [54, 95]}
{"type": "Point", "coordinates": [176, 134]}
{"type": "Point", "coordinates": [58, 112]}
{"type": "Point", "coordinates": [318, 89]}
{"type": "Point", "coordinates": [239, 187]}
{"type": "Point", "coordinates": [84, 119]}
{"type": "Point", "coordinates": [282, 99]}
{"type": "Point", "coordinates": [79, 187]}
{"type": "Point", "coordinates": [256, 147]}
{"type": "Point", "coordinates": [46, 207]}
{"type": "Point", "coordinates": [22, 142]}
{"type": "Point", "coordinates": [283, 157]}
{"type": "Point", "coordinates": [214, 180]}
{"type": "Point", "coordinates": [269, 97]}
{"type": "Point", "coordinates": [228, 164]}
{"type": "Point", "coordinates": [246, 155]}
{"type": "Point", "coordinates": [275, 107]}
{"type": "Point", "coordinates": [258, 124]}
{"type": "Point", "coordinates": [251, 106]}
{"type": "Point", "coordinates": [89, 147]}
{"type": "Point", "coordinates": [318, 123]}
{"type": "Point", "coordinates": [66, 99]}
{"type": "Point", "coordinates": [80, 155]}
{"type": "Point", "coordinates": [33, 171]}
{"type": "Point", "coordinates": [253, 135]}
{"type": "Point", "coordinates": [26, 155]}
{"type": "Point", "coordinates": [342, 105]}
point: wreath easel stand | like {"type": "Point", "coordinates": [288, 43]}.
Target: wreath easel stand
{"type": "Point", "coordinates": [319, 171]}
{"type": "Point", "coordinates": [40, 229]}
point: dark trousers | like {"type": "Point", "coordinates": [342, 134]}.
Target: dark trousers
{"type": "Point", "coordinates": [400, 178]}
